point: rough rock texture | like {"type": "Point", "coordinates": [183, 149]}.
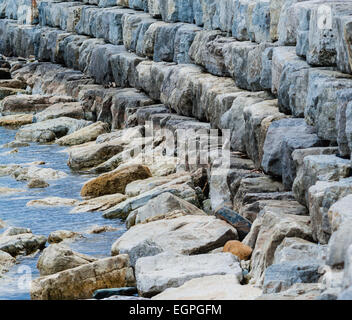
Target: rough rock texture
{"type": "Point", "coordinates": [218, 287]}
{"type": "Point", "coordinates": [82, 281]}
{"type": "Point", "coordinates": [166, 270]}
{"type": "Point", "coordinates": [83, 135]}
{"type": "Point", "coordinates": [115, 181]}
{"type": "Point", "coordinates": [49, 130]}
{"type": "Point", "coordinates": [58, 257]}
{"type": "Point", "coordinates": [162, 205]}
{"type": "Point", "coordinates": [24, 243]}
{"type": "Point", "coordinates": [186, 235]}
{"type": "Point", "coordinates": [273, 229]}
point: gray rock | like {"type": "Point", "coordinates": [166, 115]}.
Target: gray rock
{"type": "Point", "coordinates": [321, 197]}
{"type": "Point", "coordinates": [280, 277]}
{"type": "Point", "coordinates": [318, 168]}
{"type": "Point", "coordinates": [326, 91]}
{"type": "Point", "coordinates": [58, 257]}
{"type": "Point", "coordinates": [282, 138]}
{"type": "Point", "coordinates": [207, 233]}
{"type": "Point", "coordinates": [167, 270]}
{"type": "Point", "coordinates": [49, 130]}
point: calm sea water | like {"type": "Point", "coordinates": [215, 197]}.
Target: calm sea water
{"type": "Point", "coordinates": [43, 221]}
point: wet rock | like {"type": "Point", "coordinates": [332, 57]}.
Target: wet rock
{"type": "Point", "coordinates": [190, 235]}
{"type": "Point", "coordinates": [84, 135]}
{"type": "Point", "coordinates": [318, 168]}
{"type": "Point", "coordinates": [14, 231]}
{"type": "Point", "coordinates": [37, 183]}
{"type": "Point", "coordinates": [99, 203]}
{"type": "Point", "coordinates": [242, 251]}
{"type": "Point", "coordinates": [162, 205]}
{"type": "Point", "coordinates": [115, 181]}
{"type": "Point", "coordinates": [5, 190]}
{"type": "Point", "coordinates": [33, 172]}
{"type": "Point", "coordinates": [49, 130]}
{"type": "Point", "coordinates": [24, 243]}
{"type": "Point", "coordinates": [61, 235]}
{"type": "Point", "coordinates": [106, 293]}
{"type": "Point", "coordinates": [242, 225]}
{"type": "Point", "coordinates": [6, 262]}
{"type": "Point", "coordinates": [16, 120]}
{"type": "Point", "coordinates": [166, 270]}
{"type": "Point", "coordinates": [58, 257]}
{"type": "Point", "coordinates": [82, 281]}
{"type": "Point", "coordinates": [101, 229]}
{"type": "Point", "coordinates": [16, 144]}
{"type": "Point", "coordinates": [217, 287]}
{"type": "Point", "coordinates": [52, 202]}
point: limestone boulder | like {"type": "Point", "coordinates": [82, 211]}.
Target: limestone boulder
{"type": "Point", "coordinates": [33, 172]}
{"type": "Point", "coordinates": [282, 138]}
{"type": "Point", "coordinates": [321, 197]}
{"type": "Point", "coordinates": [115, 181]}
{"type": "Point", "coordinates": [6, 262]}
{"type": "Point", "coordinates": [217, 287]}
{"type": "Point", "coordinates": [162, 205]}
{"type": "Point", "coordinates": [49, 130]}
{"type": "Point", "coordinates": [30, 103]}
{"type": "Point", "coordinates": [70, 109]}
{"type": "Point", "coordinates": [24, 243]}
{"type": "Point", "coordinates": [61, 235]}
{"type": "Point", "coordinates": [178, 187]}
{"type": "Point", "coordinates": [52, 202]}
{"type": "Point", "coordinates": [267, 234]}
{"type": "Point", "coordinates": [58, 257]}
{"type": "Point", "coordinates": [82, 281]}
{"type": "Point", "coordinates": [318, 168]}
{"type": "Point", "coordinates": [99, 204]}
{"type": "Point", "coordinates": [190, 234]}
{"type": "Point", "coordinates": [16, 120]}
{"type": "Point", "coordinates": [84, 135]}
{"type": "Point", "coordinates": [167, 270]}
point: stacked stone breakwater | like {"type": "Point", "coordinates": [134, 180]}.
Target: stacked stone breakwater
{"type": "Point", "coordinates": [276, 73]}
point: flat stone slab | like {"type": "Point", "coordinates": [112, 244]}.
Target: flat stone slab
{"type": "Point", "coordinates": [157, 273]}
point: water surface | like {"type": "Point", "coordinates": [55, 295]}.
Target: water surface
{"type": "Point", "coordinates": [44, 220]}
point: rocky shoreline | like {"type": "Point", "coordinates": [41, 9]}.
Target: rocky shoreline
{"type": "Point", "coordinates": [221, 139]}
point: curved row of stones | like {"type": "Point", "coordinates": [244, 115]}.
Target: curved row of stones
{"type": "Point", "coordinates": [266, 70]}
